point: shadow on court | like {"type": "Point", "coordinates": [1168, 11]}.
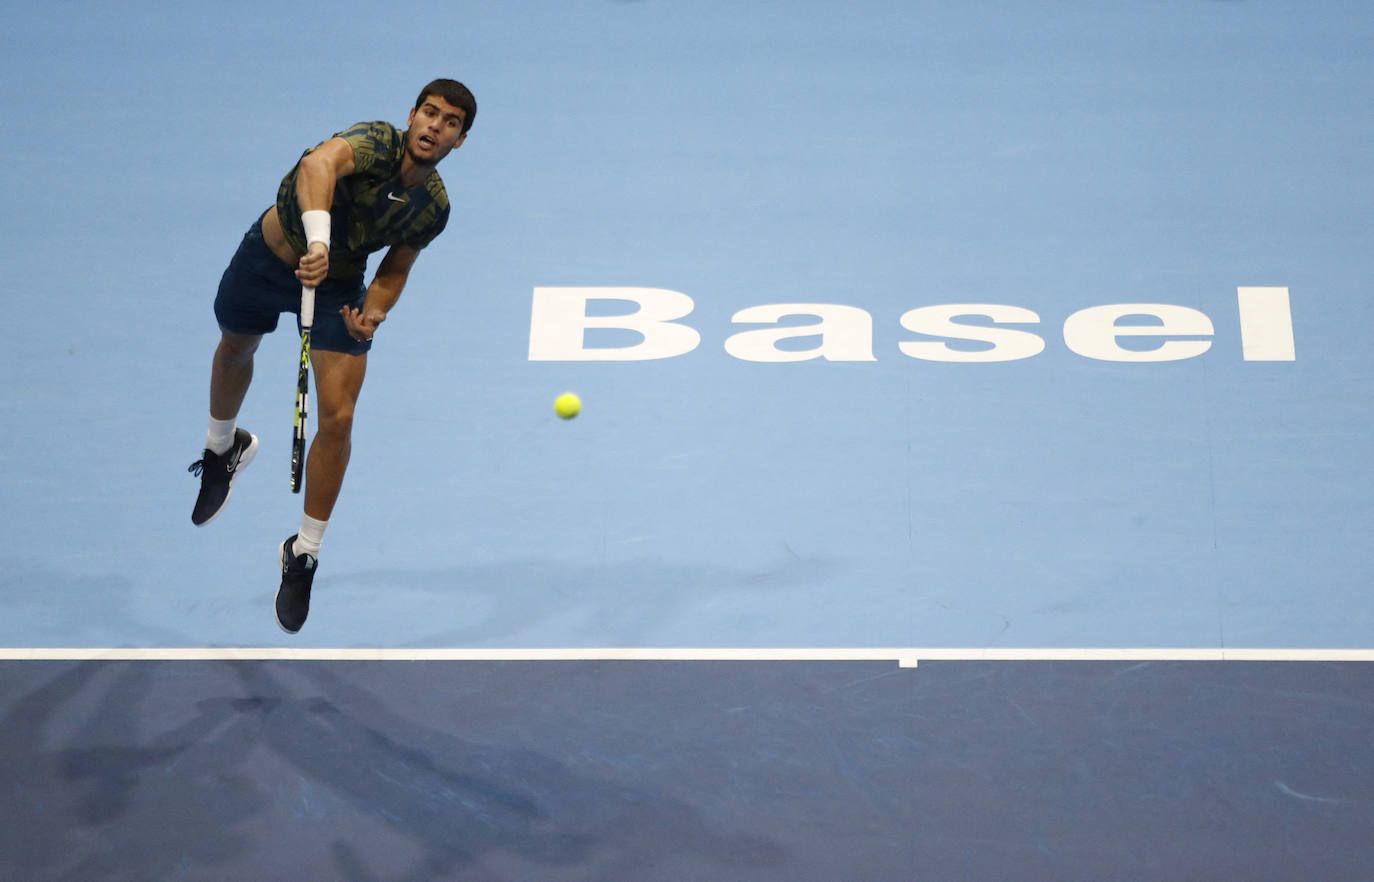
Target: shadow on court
{"type": "Point", "coordinates": [686, 770]}
{"type": "Point", "coordinates": [543, 602]}
{"type": "Point", "coordinates": [111, 777]}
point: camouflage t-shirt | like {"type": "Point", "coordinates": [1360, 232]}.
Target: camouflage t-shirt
{"type": "Point", "coordinates": [372, 209]}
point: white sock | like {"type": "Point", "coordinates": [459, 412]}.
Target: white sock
{"type": "Point", "coordinates": [309, 538]}
{"type": "Point", "coordinates": [220, 436]}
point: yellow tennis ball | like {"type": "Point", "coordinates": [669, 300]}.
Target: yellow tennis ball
{"type": "Point", "coordinates": [567, 405]}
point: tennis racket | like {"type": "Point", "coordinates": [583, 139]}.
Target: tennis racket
{"type": "Point", "coordinates": [302, 390]}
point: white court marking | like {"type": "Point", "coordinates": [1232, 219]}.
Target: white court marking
{"type": "Point", "coordinates": [905, 657]}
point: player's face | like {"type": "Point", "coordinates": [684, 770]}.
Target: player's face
{"type": "Point", "coordinates": [435, 128]}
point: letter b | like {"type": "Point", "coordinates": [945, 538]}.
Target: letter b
{"type": "Point", "coordinates": [559, 320]}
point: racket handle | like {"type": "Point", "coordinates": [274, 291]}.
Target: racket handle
{"type": "Point", "coordinates": [307, 306]}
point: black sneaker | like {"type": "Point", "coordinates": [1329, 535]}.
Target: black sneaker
{"type": "Point", "coordinates": [217, 473]}
{"type": "Point", "coordinates": [293, 597]}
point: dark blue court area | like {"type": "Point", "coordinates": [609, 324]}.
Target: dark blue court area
{"type": "Point", "coordinates": [686, 770]}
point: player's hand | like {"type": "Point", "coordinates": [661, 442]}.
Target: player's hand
{"type": "Point", "coordinates": [314, 266]}
{"type": "Point", "coordinates": [362, 323]}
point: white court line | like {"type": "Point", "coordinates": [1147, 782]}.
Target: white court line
{"type": "Point", "coordinates": [906, 657]}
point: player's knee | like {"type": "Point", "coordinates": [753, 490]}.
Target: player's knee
{"type": "Point", "coordinates": [237, 347]}
{"type": "Point", "coordinates": [337, 420]}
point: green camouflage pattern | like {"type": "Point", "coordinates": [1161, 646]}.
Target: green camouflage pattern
{"type": "Point", "coordinates": [372, 210]}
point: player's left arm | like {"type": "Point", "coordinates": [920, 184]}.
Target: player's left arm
{"type": "Point", "coordinates": [382, 294]}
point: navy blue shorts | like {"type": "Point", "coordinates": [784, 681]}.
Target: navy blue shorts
{"type": "Point", "coordinates": [257, 288]}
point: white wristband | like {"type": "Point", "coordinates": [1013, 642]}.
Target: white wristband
{"type": "Point", "coordinates": [316, 223]}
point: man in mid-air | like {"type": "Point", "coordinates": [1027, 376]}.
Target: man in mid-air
{"type": "Point", "coordinates": [371, 186]}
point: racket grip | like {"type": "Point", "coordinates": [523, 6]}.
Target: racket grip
{"type": "Point", "coordinates": [307, 306]}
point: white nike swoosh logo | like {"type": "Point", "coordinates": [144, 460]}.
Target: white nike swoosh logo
{"type": "Point", "coordinates": [394, 198]}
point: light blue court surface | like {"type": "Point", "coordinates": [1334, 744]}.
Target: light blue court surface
{"type": "Point", "coordinates": [1009, 327]}
{"type": "Point", "coordinates": [879, 156]}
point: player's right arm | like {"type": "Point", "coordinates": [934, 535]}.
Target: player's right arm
{"type": "Point", "coordinates": [319, 169]}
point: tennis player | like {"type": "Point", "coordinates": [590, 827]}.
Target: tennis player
{"type": "Point", "coordinates": [369, 187]}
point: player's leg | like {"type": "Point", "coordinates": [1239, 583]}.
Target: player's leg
{"type": "Point", "coordinates": [228, 449]}
{"type": "Point", "coordinates": [254, 290]}
{"type": "Point", "coordinates": [231, 373]}
{"type": "Point", "coordinates": [338, 383]}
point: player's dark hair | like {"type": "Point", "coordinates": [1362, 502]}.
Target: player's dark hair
{"type": "Point", "coordinates": [454, 93]}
